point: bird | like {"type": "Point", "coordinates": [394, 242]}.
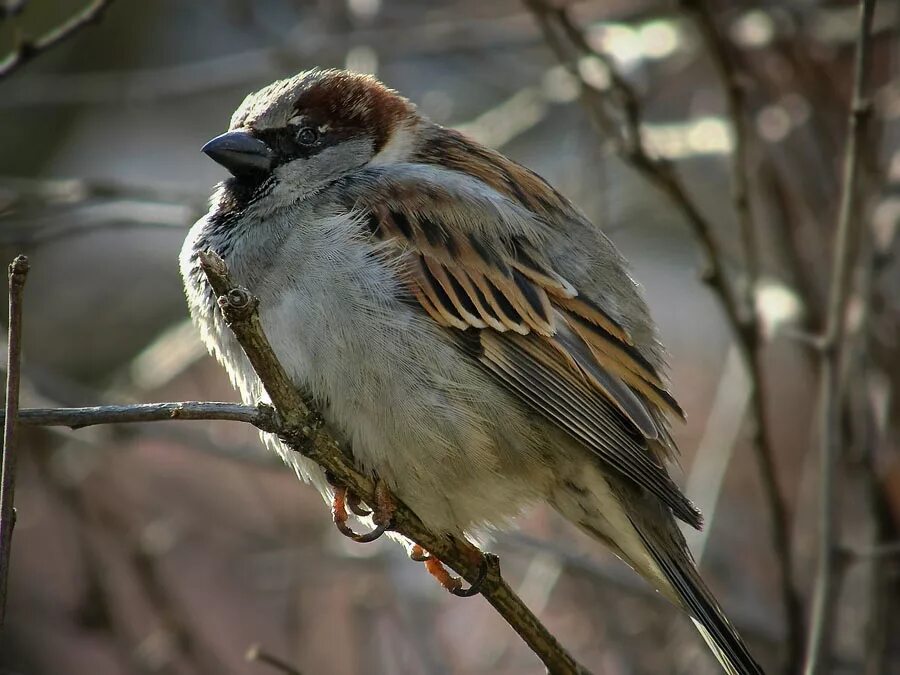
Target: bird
{"type": "Point", "coordinates": [474, 338]}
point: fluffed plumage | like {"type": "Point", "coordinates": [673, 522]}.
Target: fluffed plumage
{"type": "Point", "coordinates": [478, 341]}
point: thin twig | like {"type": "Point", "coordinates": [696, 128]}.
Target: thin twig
{"type": "Point", "coordinates": [302, 431]}
{"type": "Point", "coordinates": [262, 417]}
{"type": "Point", "coordinates": [256, 653]}
{"type": "Point", "coordinates": [735, 103]}
{"type": "Point", "coordinates": [749, 622]}
{"type": "Point", "coordinates": [631, 147]}
{"type": "Point", "coordinates": [749, 332]}
{"type": "Point", "coordinates": [18, 273]}
{"type": "Point", "coordinates": [291, 47]}
{"type": "Point", "coordinates": [831, 436]}
{"type": "Point", "coordinates": [20, 193]}
{"type": "Point", "coordinates": [305, 431]}
{"type": "Point", "coordinates": [656, 170]}
{"type": "Point", "coordinates": [870, 438]}
{"type": "Point", "coordinates": [11, 8]}
{"type": "Point", "coordinates": [877, 551]}
{"type": "Point", "coordinates": [26, 50]}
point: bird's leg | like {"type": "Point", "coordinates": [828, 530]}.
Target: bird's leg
{"type": "Point", "coordinates": [339, 512]}
{"type": "Point", "coordinates": [382, 514]}
{"type": "Point", "coordinates": [453, 584]}
{"type": "Point", "coordinates": [385, 506]}
{"type": "Point", "coordinates": [418, 554]}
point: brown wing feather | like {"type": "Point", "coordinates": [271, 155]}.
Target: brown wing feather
{"type": "Point", "coordinates": [476, 287]}
{"type": "Point", "coordinates": [547, 383]}
{"type": "Point", "coordinates": [558, 350]}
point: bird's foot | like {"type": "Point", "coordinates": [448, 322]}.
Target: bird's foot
{"type": "Point", "coordinates": [382, 513]}
{"type": "Point", "coordinates": [453, 584]}
{"type": "Point", "coordinates": [418, 554]}
{"type": "Point", "coordinates": [355, 505]}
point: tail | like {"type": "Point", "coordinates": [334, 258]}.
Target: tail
{"type": "Point", "coordinates": [641, 531]}
{"type": "Point", "coordinates": [697, 600]}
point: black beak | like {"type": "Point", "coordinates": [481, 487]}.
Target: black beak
{"type": "Point", "coordinates": [240, 153]}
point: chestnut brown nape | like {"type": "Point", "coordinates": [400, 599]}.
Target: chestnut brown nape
{"type": "Point", "coordinates": [354, 102]}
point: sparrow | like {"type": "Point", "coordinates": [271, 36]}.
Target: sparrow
{"type": "Point", "coordinates": [469, 333]}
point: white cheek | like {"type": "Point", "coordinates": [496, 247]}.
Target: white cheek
{"type": "Point", "coordinates": [397, 149]}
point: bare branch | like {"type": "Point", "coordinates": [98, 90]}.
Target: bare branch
{"type": "Point", "coordinates": [256, 653]}
{"type": "Point", "coordinates": [885, 550]}
{"type": "Point", "coordinates": [831, 384]}
{"type": "Point", "coordinates": [285, 50]}
{"type": "Point", "coordinates": [262, 417]}
{"type": "Point", "coordinates": [18, 273]}
{"type": "Point", "coordinates": [619, 578]}
{"type": "Point", "coordinates": [738, 309]}
{"type": "Point", "coordinates": [727, 71]}
{"type": "Point", "coordinates": [26, 50]}
{"type": "Point", "coordinates": [305, 431]}
{"type": "Point", "coordinates": [17, 193]}
{"type": "Point", "coordinates": [299, 425]}
{"type": "Point", "coordinates": [750, 334]}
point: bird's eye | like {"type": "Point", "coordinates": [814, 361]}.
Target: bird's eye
{"type": "Point", "coordinates": [307, 136]}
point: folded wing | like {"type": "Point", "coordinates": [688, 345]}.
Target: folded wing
{"type": "Point", "coordinates": [470, 257]}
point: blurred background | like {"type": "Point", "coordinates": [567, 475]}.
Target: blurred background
{"type": "Point", "coordinates": [172, 548]}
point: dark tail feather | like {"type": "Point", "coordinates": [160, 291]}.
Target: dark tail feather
{"type": "Point", "coordinates": [697, 600]}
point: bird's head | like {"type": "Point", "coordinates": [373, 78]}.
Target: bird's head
{"type": "Point", "coordinates": [295, 136]}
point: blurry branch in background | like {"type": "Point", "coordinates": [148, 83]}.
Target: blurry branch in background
{"type": "Point", "coordinates": [119, 217]}
{"type": "Point", "coordinates": [18, 272]}
{"type": "Point", "coordinates": [11, 8]}
{"type": "Point", "coordinates": [308, 42]}
{"type": "Point", "coordinates": [299, 425]}
{"type": "Point", "coordinates": [832, 350]}
{"type": "Point", "coordinates": [90, 205]}
{"type": "Point", "coordinates": [748, 329]}
{"type": "Point", "coordinates": [304, 44]}
{"type": "Point", "coordinates": [26, 50]}
{"type": "Point", "coordinates": [750, 624]}
{"type": "Point", "coordinates": [257, 654]}
{"type": "Point", "coordinates": [871, 431]}
{"type": "Point", "coordinates": [616, 111]}
{"type": "Point", "coordinates": [102, 523]}
{"type": "Point", "coordinates": [17, 193]}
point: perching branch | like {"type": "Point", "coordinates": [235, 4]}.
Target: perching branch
{"type": "Point", "coordinates": [304, 431]}
{"type": "Point", "coordinates": [831, 385]}
{"type": "Point", "coordinates": [18, 272]}
{"type": "Point", "coordinates": [569, 44]}
{"type": "Point", "coordinates": [300, 426]}
{"type": "Point", "coordinates": [26, 50]}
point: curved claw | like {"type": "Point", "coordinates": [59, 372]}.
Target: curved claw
{"type": "Point", "coordinates": [418, 554]}
{"type": "Point", "coordinates": [373, 535]}
{"type": "Point", "coordinates": [368, 536]}
{"type": "Point", "coordinates": [364, 538]}
{"type": "Point", "coordinates": [475, 588]}
{"type": "Point", "coordinates": [454, 584]}
{"type": "Point", "coordinates": [353, 503]}
{"type": "Point", "coordinates": [344, 498]}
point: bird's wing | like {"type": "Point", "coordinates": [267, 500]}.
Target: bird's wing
{"type": "Point", "coordinates": [471, 258]}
